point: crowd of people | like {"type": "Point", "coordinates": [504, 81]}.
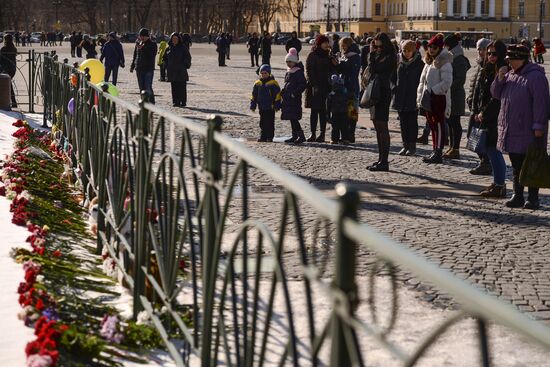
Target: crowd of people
{"type": "Point", "coordinates": [509, 98]}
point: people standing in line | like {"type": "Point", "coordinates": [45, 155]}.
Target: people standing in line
{"type": "Point", "coordinates": [486, 117]}
{"type": "Point", "coordinates": [294, 42]}
{"type": "Point", "coordinates": [318, 71]}
{"type": "Point", "coordinates": [436, 81]}
{"type": "Point", "coordinates": [382, 65]}
{"type": "Point", "coordinates": [253, 45]}
{"type": "Point", "coordinates": [113, 54]}
{"type": "Point", "coordinates": [78, 41]}
{"type": "Point", "coordinates": [484, 166]}
{"type": "Point", "coordinates": [266, 96]}
{"type": "Point", "coordinates": [143, 62]}
{"type": "Point", "coordinates": [405, 83]}
{"type": "Point", "coordinates": [72, 42]}
{"type": "Point", "coordinates": [8, 63]}
{"type": "Point", "coordinates": [337, 111]}
{"type": "Point", "coordinates": [265, 48]}
{"type": "Point", "coordinates": [221, 49]}
{"type": "Point", "coordinates": [291, 106]}
{"type": "Point", "coordinates": [88, 44]}
{"type": "Point", "coordinates": [178, 60]}
{"type": "Point", "coordinates": [523, 117]}
{"type": "Point", "coordinates": [349, 67]}
{"type": "Point", "coordinates": [460, 65]}
{"type": "Point", "coordinates": [163, 45]}
{"type": "Point", "coordinates": [538, 51]}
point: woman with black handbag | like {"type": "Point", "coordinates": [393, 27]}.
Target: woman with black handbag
{"type": "Point", "coordinates": [487, 118]}
{"type": "Point", "coordinates": [523, 117]}
{"type": "Point", "coordinates": [382, 65]}
{"type": "Point", "coordinates": [434, 93]}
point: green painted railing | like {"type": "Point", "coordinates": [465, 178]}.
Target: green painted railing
{"type": "Point", "coordinates": [173, 191]}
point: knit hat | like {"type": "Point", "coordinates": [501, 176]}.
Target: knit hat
{"type": "Point", "coordinates": [408, 44]}
{"type": "Point", "coordinates": [113, 35]}
{"type": "Point", "coordinates": [336, 80]}
{"type": "Point", "coordinates": [436, 40]}
{"type": "Point", "coordinates": [517, 52]}
{"type": "Point", "coordinates": [144, 32]}
{"type": "Point", "coordinates": [452, 40]}
{"type": "Point", "coordinates": [321, 39]}
{"type": "Point", "coordinates": [292, 55]}
{"type": "Point", "coordinates": [265, 67]}
{"type": "Point", "coordinates": [482, 43]}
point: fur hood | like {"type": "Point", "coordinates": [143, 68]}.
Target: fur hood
{"type": "Point", "coordinates": [444, 57]}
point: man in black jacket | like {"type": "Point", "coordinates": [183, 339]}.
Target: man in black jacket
{"type": "Point", "coordinates": [143, 62]}
{"type": "Point", "coordinates": [253, 45]}
{"type": "Point", "coordinates": [265, 48]}
{"type": "Point", "coordinates": [293, 42]}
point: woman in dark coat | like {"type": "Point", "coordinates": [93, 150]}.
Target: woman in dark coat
{"type": "Point", "coordinates": [349, 67]}
{"type": "Point", "coordinates": [487, 118]}
{"type": "Point", "coordinates": [89, 45]}
{"type": "Point", "coordinates": [404, 102]}
{"type": "Point", "coordinates": [382, 65]}
{"type": "Point", "coordinates": [8, 62]}
{"type": "Point", "coordinates": [178, 60]}
{"type": "Point", "coordinates": [318, 71]}
{"type": "Point", "coordinates": [295, 84]}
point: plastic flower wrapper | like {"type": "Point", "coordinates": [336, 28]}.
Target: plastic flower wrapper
{"type": "Point", "coordinates": [37, 360]}
{"type": "Point", "coordinates": [109, 329]}
{"type": "Point", "coordinates": [143, 318]}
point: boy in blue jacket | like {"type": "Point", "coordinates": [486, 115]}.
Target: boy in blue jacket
{"type": "Point", "coordinates": [266, 95]}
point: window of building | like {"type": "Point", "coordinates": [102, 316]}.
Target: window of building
{"type": "Point", "coordinates": [484, 7]}
{"type": "Point", "coordinates": [378, 9]}
{"type": "Point", "coordinates": [470, 6]}
{"type": "Point", "coordinates": [455, 7]}
{"type": "Point", "coordinates": [402, 8]}
{"type": "Point", "coordinates": [521, 8]}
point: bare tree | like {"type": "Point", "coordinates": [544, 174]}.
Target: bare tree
{"type": "Point", "coordinates": [266, 11]}
{"type": "Point", "coordinates": [296, 8]}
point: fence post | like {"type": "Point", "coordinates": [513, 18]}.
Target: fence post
{"type": "Point", "coordinates": [212, 158]}
{"type": "Point", "coordinates": [344, 278]}
{"type": "Point", "coordinates": [46, 70]}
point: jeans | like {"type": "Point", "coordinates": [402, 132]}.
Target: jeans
{"type": "Point", "coordinates": [108, 70]}
{"type": "Point", "coordinates": [254, 57]}
{"type": "Point", "coordinates": [498, 164]}
{"type": "Point", "coordinates": [321, 115]}
{"type": "Point", "coordinates": [267, 125]}
{"type": "Point", "coordinates": [145, 83]}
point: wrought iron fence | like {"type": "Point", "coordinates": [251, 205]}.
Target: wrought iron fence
{"type": "Point", "coordinates": [182, 212]}
{"type": "Point", "coordinates": [28, 81]}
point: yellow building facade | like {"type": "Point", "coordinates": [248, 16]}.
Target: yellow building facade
{"type": "Point", "coordinates": [505, 18]}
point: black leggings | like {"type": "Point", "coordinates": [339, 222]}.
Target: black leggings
{"type": "Point", "coordinates": [383, 140]}
{"type": "Point", "coordinates": [517, 162]}
{"type": "Point", "coordinates": [455, 131]}
{"type": "Point", "coordinates": [321, 115]}
{"type": "Point", "coordinates": [409, 126]}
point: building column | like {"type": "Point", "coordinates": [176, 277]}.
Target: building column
{"type": "Point", "coordinates": [478, 8]}
{"type": "Point", "coordinates": [491, 8]}
{"type": "Point", "coordinates": [368, 12]}
{"type": "Point", "coordinates": [464, 8]}
{"type": "Point", "coordinates": [450, 6]}
{"type": "Point", "coordinates": [506, 8]}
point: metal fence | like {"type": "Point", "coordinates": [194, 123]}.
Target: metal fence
{"type": "Point", "coordinates": [28, 81]}
{"type": "Point", "coordinates": [182, 215]}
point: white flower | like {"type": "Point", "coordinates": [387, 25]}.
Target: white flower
{"type": "Point", "coordinates": [143, 318]}
{"type": "Point", "coordinates": [40, 278]}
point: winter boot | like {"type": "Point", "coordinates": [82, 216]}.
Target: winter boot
{"type": "Point", "coordinates": [494, 191]}
{"type": "Point", "coordinates": [423, 139]}
{"type": "Point", "coordinates": [533, 199]}
{"type": "Point", "coordinates": [311, 138]}
{"type": "Point", "coordinates": [321, 137]}
{"type": "Point", "coordinates": [517, 200]}
{"type": "Point", "coordinates": [292, 139]}
{"type": "Point", "coordinates": [452, 154]}
{"type": "Point", "coordinates": [301, 138]}
{"type": "Point", "coordinates": [411, 150]}
{"type": "Point", "coordinates": [435, 158]}
{"type": "Point", "coordinates": [404, 150]}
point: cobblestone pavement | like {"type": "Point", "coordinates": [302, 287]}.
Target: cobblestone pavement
{"type": "Point", "coordinates": [433, 209]}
